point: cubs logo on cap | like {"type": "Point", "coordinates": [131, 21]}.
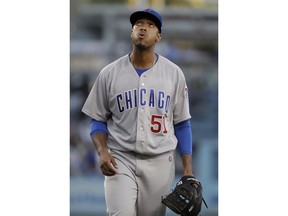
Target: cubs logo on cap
{"type": "Point", "coordinates": [149, 14]}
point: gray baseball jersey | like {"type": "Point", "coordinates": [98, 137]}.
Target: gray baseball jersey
{"type": "Point", "coordinates": [140, 111]}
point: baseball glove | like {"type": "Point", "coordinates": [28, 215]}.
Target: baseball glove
{"type": "Point", "coordinates": [186, 198]}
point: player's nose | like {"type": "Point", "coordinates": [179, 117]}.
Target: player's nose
{"type": "Point", "coordinates": [143, 28]}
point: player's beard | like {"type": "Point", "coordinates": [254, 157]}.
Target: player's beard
{"type": "Point", "coordinates": [141, 45]}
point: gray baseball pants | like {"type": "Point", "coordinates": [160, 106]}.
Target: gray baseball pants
{"type": "Point", "coordinates": [141, 181]}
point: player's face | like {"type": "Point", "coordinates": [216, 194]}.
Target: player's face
{"type": "Point", "coordinates": [145, 33]}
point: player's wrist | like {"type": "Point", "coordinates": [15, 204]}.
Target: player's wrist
{"type": "Point", "coordinates": [187, 172]}
{"type": "Point", "coordinates": [102, 151]}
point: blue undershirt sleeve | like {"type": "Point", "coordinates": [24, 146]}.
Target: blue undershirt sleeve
{"type": "Point", "coordinates": [97, 127]}
{"type": "Point", "coordinates": [183, 134]}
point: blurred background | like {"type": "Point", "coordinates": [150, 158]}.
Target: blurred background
{"type": "Point", "coordinates": [99, 34]}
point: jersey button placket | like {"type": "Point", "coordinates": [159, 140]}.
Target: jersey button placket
{"type": "Point", "coordinates": [141, 120]}
{"type": "Point", "coordinates": [141, 131]}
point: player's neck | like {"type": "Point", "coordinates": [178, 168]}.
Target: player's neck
{"type": "Point", "coordinates": [142, 60]}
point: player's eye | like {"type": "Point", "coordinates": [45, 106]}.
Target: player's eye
{"type": "Point", "coordinates": [150, 24]}
{"type": "Point", "coordinates": [138, 23]}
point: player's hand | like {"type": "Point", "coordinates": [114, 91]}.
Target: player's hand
{"type": "Point", "coordinates": [107, 163]}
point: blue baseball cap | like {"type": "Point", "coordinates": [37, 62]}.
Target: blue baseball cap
{"type": "Point", "coordinates": [149, 14]}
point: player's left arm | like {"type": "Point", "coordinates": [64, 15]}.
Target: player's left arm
{"type": "Point", "coordinates": [183, 134]}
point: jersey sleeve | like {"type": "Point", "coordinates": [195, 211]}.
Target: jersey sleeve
{"type": "Point", "coordinates": [96, 104]}
{"type": "Point", "coordinates": [181, 111]}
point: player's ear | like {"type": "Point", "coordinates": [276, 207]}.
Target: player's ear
{"type": "Point", "coordinates": [158, 38]}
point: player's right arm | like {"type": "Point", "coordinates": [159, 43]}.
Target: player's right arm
{"type": "Point", "coordinates": [96, 106]}
{"type": "Point", "coordinates": [99, 137]}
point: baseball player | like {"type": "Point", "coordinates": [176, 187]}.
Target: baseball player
{"type": "Point", "coordinates": [139, 113]}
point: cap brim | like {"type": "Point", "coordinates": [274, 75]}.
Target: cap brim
{"type": "Point", "coordinates": [142, 14]}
